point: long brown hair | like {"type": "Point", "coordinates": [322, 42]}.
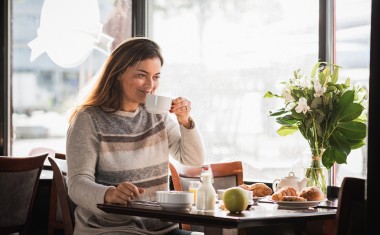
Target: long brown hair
{"type": "Point", "coordinates": [107, 92]}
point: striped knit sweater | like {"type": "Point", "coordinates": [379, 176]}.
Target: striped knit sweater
{"type": "Point", "coordinates": [104, 149]}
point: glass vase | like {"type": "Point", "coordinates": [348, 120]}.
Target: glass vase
{"type": "Point", "coordinates": [315, 171]}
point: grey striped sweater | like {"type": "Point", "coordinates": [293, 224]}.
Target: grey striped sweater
{"type": "Point", "coordinates": [104, 149]}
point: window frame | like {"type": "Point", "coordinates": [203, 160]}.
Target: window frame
{"type": "Point", "coordinates": [5, 81]}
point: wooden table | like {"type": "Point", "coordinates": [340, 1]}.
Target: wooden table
{"type": "Point", "coordinates": [262, 218]}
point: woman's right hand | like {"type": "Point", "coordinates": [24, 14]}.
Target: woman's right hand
{"type": "Point", "coordinates": [122, 193]}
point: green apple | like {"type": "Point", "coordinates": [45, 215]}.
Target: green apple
{"type": "Point", "coordinates": [235, 199]}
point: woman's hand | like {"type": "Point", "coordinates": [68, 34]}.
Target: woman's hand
{"type": "Point", "coordinates": [122, 193]}
{"type": "Point", "coordinates": [181, 107]}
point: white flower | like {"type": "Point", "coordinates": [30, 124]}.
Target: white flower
{"type": "Point", "coordinates": [304, 83]}
{"type": "Point", "coordinates": [286, 94]}
{"type": "Point", "coordinates": [302, 106]}
{"type": "Point", "coordinates": [319, 89]}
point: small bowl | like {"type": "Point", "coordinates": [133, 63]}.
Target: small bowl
{"type": "Point", "coordinates": [175, 197]}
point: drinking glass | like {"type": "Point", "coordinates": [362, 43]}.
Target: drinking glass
{"type": "Point", "coordinates": [193, 187]}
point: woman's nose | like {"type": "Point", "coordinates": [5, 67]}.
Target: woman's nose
{"type": "Point", "coordinates": [149, 82]}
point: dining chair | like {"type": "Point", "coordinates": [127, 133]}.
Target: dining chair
{"type": "Point", "coordinates": [350, 215]}
{"type": "Point", "coordinates": [55, 216]}
{"type": "Point", "coordinates": [19, 179]}
{"type": "Point", "coordinates": [65, 207]}
{"type": "Point", "coordinates": [55, 213]}
{"type": "Point", "coordinates": [225, 174]}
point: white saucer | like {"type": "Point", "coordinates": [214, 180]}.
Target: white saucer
{"type": "Point", "coordinates": [175, 206]}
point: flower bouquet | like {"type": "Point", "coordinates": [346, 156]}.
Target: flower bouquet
{"type": "Point", "coordinates": [328, 114]}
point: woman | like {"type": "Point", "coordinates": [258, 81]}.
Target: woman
{"type": "Point", "coordinates": [118, 152]}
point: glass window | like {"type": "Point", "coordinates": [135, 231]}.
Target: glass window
{"type": "Point", "coordinates": [58, 46]}
{"type": "Point", "coordinates": [353, 27]}
{"type": "Point", "coordinates": [224, 55]}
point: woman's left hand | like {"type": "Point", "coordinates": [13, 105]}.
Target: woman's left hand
{"type": "Point", "coordinates": [181, 107]}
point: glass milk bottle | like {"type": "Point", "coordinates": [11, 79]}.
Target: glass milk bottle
{"type": "Point", "coordinates": [206, 194]}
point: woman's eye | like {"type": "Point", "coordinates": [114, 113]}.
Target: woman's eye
{"type": "Point", "coordinates": [156, 78]}
{"type": "Point", "coordinates": [140, 75]}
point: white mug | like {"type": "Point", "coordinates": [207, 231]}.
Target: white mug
{"type": "Point", "coordinates": [157, 104]}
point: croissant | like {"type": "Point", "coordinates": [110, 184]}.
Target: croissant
{"type": "Point", "coordinates": [284, 191]}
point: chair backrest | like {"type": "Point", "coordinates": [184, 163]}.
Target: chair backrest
{"type": "Point", "coordinates": [350, 216]}
{"type": "Point", "coordinates": [19, 179]}
{"type": "Point", "coordinates": [226, 175]}
{"type": "Point", "coordinates": [66, 205]}
{"type": "Point", "coordinates": [175, 177]}
{"type": "Point", "coordinates": [39, 150]}
{"type": "Point", "coordinates": [55, 213]}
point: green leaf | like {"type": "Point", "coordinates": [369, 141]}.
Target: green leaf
{"type": "Point", "coordinates": [286, 120]}
{"type": "Point", "coordinates": [278, 112]}
{"type": "Point", "coordinates": [331, 155]}
{"type": "Point", "coordinates": [299, 116]}
{"type": "Point", "coordinates": [340, 157]}
{"type": "Point", "coordinates": [315, 69]}
{"type": "Point", "coordinates": [331, 89]}
{"type": "Point", "coordinates": [304, 131]}
{"type": "Point", "coordinates": [328, 158]}
{"type": "Point", "coordinates": [348, 82]}
{"type": "Point", "coordinates": [347, 97]}
{"type": "Point", "coordinates": [339, 143]}
{"type": "Point", "coordinates": [362, 118]}
{"type": "Point", "coordinates": [353, 130]}
{"type": "Point", "coordinates": [355, 144]}
{"type": "Point", "coordinates": [346, 109]}
{"type": "Point", "coordinates": [335, 75]}
{"type": "Point", "coordinates": [269, 94]}
{"type": "Point", "coordinates": [351, 112]}
{"type": "Point", "coordinates": [287, 130]}
{"type": "Point", "coordinates": [319, 116]}
{"type": "Point", "coordinates": [322, 78]}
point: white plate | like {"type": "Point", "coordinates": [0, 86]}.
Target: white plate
{"type": "Point", "coordinates": [297, 205]}
{"type": "Point", "coordinates": [175, 206]}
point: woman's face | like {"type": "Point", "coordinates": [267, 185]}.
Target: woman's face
{"type": "Point", "coordinates": [137, 81]}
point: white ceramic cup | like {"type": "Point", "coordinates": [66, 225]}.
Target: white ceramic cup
{"type": "Point", "coordinates": [157, 104]}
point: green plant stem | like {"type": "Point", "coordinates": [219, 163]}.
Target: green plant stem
{"type": "Point", "coordinates": [316, 176]}
{"type": "Point", "coordinates": [315, 137]}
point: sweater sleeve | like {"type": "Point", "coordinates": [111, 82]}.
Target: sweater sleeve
{"type": "Point", "coordinates": [82, 156]}
{"type": "Point", "coordinates": [185, 145]}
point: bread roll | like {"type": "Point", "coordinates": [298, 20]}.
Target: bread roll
{"type": "Point", "coordinates": [284, 191]}
{"type": "Point", "coordinates": [260, 190]}
{"type": "Point", "coordinates": [312, 193]}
